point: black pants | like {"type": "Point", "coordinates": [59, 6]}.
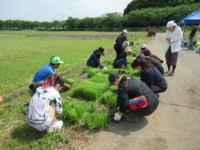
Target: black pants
{"type": "Point", "coordinates": [118, 51]}
{"type": "Point", "coordinates": [157, 89]}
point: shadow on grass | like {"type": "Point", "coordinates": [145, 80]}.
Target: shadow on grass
{"type": "Point", "coordinates": [27, 134]}
{"type": "Point", "coordinates": [125, 128]}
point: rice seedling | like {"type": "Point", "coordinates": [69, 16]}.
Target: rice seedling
{"type": "Point", "coordinates": [113, 89]}
{"type": "Point", "coordinates": [74, 110]}
{"type": "Point", "coordinates": [69, 81]}
{"type": "Point", "coordinates": [86, 68]}
{"type": "Point", "coordinates": [108, 71]}
{"type": "Point", "coordinates": [92, 72]}
{"type": "Point", "coordinates": [135, 52]}
{"type": "Point", "coordinates": [90, 90]}
{"type": "Point", "coordinates": [97, 119]}
{"type": "Point", "coordinates": [110, 98]}
{"type": "Point", "coordinates": [100, 78]}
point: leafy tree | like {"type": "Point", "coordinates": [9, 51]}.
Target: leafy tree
{"type": "Point", "coordinates": [100, 22]}
{"type": "Point", "coordinates": [1, 24]}
{"type": "Point", "coordinates": [110, 18]}
{"type": "Point", "coordinates": [90, 22]}
{"type": "Point", "coordinates": [71, 22]}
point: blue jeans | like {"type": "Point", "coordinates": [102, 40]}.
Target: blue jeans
{"type": "Point", "coordinates": [93, 64]}
{"type": "Point", "coordinates": [191, 43]}
{"type": "Point", "coordinates": [116, 63]}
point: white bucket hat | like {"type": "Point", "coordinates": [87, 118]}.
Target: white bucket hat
{"type": "Point", "coordinates": [125, 31]}
{"type": "Point", "coordinates": [171, 24]}
{"type": "Point", "coordinates": [127, 49]}
{"type": "Point", "coordinates": [143, 46]}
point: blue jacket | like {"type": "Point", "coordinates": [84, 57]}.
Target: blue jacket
{"type": "Point", "coordinates": [43, 72]}
{"type": "Point", "coordinates": [95, 57]}
{"type": "Point", "coordinates": [153, 77]}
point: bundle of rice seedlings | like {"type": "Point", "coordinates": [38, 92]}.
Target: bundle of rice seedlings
{"type": "Point", "coordinates": [113, 89]}
{"type": "Point", "coordinates": [108, 71]}
{"type": "Point", "coordinates": [69, 81]}
{"type": "Point", "coordinates": [97, 119]}
{"type": "Point", "coordinates": [108, 61]}
{"type": "Point", "coordinates": [92, 72]}
{"type": "Point", "coordinates": [100, 78]}
{"type": "Point", "coordinates": [64, 103]}
{"type": "Point", "coordinates": [90, 90]}
{"type": "Point", "coordinates": [75, 110]}
{"type": "Point", "coordinates": [110, 98]}
{"type": "Point", "coordinates": [86, 68]}
{"type": "Point", "coordinates": [135, 52]}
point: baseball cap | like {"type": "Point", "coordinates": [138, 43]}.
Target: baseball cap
{"type": "Point", "coordinates": [55, 59]}
{"type": "Point", "coordinates": [132, 42]}
{"type": "Point", "coordinates": [112, 77]}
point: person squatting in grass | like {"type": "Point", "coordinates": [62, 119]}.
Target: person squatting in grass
{"type": "Point", "coordinates": [191, 37]}
{"type": "Point", "coordinates": [94, 61]}
{"type": "Point", "coordinates": [153, 61]}
{"type": "Point", "coordinates": [119, 41]}
{"type": "Point", "coordinates": [147, 52]}
{"type": "Point", "coordinates": [121, 59]}
{"type": "Point", "coordinates": [45, 103]}
{"type": "Point", "coordinates": [150, 75]}
{"type": "Point", "coordinates": [128, 89]}
{"type": "Point", "coordinates": [124, 46]}
{"type": "Point", "coordinates": [143, 47]}
{"type": "Point", "coordinates": [173, 36]}
{"type": "Point", "coordinates": [46, 71]}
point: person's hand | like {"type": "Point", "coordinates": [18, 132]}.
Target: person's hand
{"type": "Point", "coordinates": [168, 39]}
{"type": "Point", "coordinates": [105, 68]}
{"type": "Point", "coordinates": [59, 115]}
{"type": "Point", "coordinates": [67, 86]}
{"type": "Point", "coordinates": [117, 117]}
{"type": "Point", "coordinates": [169, 42]}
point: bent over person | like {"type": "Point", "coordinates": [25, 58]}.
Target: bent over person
{"type": "Point", "coordinates": [119, 41]}
{"type": "Point", "coordinates": [134, 98]}
{"type": "Point", "coordinates": [46, 71]}
{"type": "Point", "coordinates": [94, 61]}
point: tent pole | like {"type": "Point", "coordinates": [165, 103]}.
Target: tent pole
{"type": "Point", "coordinates": [183, 28]}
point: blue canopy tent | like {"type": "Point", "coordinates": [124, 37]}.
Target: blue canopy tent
{"type": "Point", "coordinates": [193, 18]}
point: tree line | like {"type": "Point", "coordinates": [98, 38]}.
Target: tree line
{"type": "Point", "coordinates": [141, 4]}
{"type": "Point", "coordinates": [136, 18]}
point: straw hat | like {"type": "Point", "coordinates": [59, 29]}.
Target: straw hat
{"type": "Point", "coordinates": [127, 49]}
{"type": "Point", "coordinates": [143, 46]}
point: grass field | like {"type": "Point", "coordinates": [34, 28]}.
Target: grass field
{"type": "Point", "coordinates": [20, 59]}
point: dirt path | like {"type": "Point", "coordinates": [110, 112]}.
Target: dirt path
{"type": "Point", "coordinates": [171, 126]}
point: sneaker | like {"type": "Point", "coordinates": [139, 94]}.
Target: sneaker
{"type": "Point", "coordinates": [171, 74]}
{"type": "Point", "coordinates": [167, 72]}
{"type": "Point", "coordinates": [130, 117]}
{"type": "Point", "coordinates": [55, 125]}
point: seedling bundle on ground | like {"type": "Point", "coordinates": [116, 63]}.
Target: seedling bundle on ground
{"type": "Point", "coordinates": [69, 81]}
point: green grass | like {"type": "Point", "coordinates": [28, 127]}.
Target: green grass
{"type": "Point", "coordinates": [113, 89]}
{"type": "Point", "coordinates": [100, 78]}
{"type": "Point", "coordinates": [90, 90]}
{"type": "Point", "coordinates": [22, 57]}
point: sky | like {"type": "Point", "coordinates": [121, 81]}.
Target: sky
{"type": "Point", "coordinates": [49, 10]}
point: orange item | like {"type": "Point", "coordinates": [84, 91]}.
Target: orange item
{"type": "Point", "coordinates": [1, 99]}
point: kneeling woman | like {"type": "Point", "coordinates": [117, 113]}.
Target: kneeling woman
{"type": "Point", "coordinates": [44, 105]}
{"type": "Point", "coordinates": [121, 58]}
{"type": "Point", "coordinates": [150, 75]}
{"type": "Point", "coordinates": [128, 89]}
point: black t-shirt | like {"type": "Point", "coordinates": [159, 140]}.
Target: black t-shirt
{"type": "Point", "coordinates": [193, 32]}
{"type": "Point", "coordinates": [156, 63]}
{"type": "Point", "coordinates": [120, 56]}
{"type": "Point", "coordinates": [119, 41]}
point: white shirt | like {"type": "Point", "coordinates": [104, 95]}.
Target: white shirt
{"type": "Point", "coordinates": [124, 45]}
{"type": "Point", "coordinates": [176, 38]}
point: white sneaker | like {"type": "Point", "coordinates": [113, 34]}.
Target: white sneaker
{"type": "Point", "coordinates": [55, 125]}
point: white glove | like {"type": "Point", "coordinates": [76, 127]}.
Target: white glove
{"type": "Point", "coordinates": [117, 117]}
{"type": "Point", "coordinates": [105, 68]}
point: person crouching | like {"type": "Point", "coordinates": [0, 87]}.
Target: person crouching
{"type": "Point", "coordinates": [121, 59]}
{"type": "Point", "coordinates": [45, 103]}
{"type": "Point", "coordinates": [134, 98]}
